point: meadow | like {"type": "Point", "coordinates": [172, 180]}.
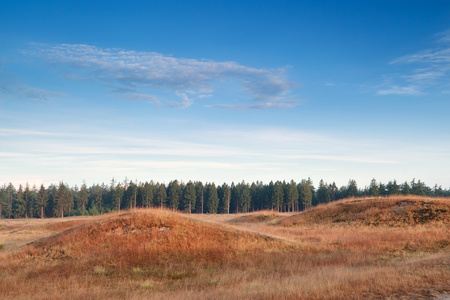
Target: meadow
{"type": "Point", "coordinates": [368, 248]}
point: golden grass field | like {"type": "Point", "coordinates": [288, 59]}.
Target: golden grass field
{"type": "Point", "coordinates": [397, 248]}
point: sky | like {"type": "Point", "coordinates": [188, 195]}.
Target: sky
{"type": "Point", "coordinates": [224, 91]}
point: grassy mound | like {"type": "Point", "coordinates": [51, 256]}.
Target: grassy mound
{"type": "Point", "coordinates": [149, 243]}
{"type": "Point", "coordinates": [154, 254]}
{"type": "Point", "coordinates": [265, 216]}
{"type": "Point", "coordinates": [393, 211]}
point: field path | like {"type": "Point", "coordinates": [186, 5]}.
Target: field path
{"type": "Point", "coordinates": [255, 228]}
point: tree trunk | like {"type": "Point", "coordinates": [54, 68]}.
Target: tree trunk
{"type": "Point", "coordinates": [42, 211]}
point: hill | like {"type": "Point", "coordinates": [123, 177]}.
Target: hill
{"type": "Point", "coordinates": [155, 254]}
{"type": "Point", "coordinates": [393, 211]}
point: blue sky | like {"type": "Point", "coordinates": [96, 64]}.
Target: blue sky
{"type": "Point", "coordinates": [224, 91]}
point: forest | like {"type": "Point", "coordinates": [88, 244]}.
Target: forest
{"type": "Point", "coordinates": [192, 197]}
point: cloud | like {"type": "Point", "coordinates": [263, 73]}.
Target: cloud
{"type": "Point", "coordinates": [23, 91]}
{"type": "Point", "coordinates": [397, 90]}
{"type": "Point", "coordinates": [423, 70]}
{"type": "Point", "coordinates": [134, 71]}
{"type": "Point", "coordinates": [258, 106]}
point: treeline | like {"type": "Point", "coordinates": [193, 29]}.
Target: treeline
{"type": "Point", "coordinates": [192, 197]}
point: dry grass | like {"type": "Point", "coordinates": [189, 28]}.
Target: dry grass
{"type": "Point", "coordinates": [159, 254]}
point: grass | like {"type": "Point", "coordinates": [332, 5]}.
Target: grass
{"type": "Point", "coordinates": [154, 254]}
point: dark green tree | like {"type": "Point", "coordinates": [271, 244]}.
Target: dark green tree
{"type": "Point", "coordinates": [161, 195]}
{"type": "Point", "coordinates": [352, 188]}
{"type": "Point", "coordinates": [224, 204]}
{"type": "Point", "coordinates": [211, 199]}
{"type": "Point", "coordinates": [200, 197]}
{"type": "Point", "coordinates": [293, 195]}
{"type": "Point", "coordinates": [245, 197]}
{"type": "Point", "coordinates": [82, 198]}
{"type": "Point", "coordinates": [277, 196]}
{"type": "Point", "coordinates": [305, 194]}
{"type": "Point", "coordinates": [173, 195]}
{"type": "Point", "coordinates": [20, 206]}
{"type": "Point", "coordinates": [373, 188]}
{"type": "Point", "coordinates": [323, 193]}
{"type": "Point", "coordinates": [42, 200]}
{"type": "Point", "coordinates": [189, 197]}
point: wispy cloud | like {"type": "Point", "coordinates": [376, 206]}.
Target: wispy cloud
{"type": "Point", "coordinates": [397, 90]}
{"type": "Point", "coordinates": [275, 104]}
{"type": "Point", "coordinates": [133, 71]}
{"type": "Point", "coordinates": [22, 91]}
{"type": "Point", "coordinates": [213, 153]}
{"type": "Point", "coordinates": [420, 71]}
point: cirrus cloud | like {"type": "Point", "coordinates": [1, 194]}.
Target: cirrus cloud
{"type": "Point", "coordinates": [422, 70]}
{"type": "Point", "coordinates": [129, 70]}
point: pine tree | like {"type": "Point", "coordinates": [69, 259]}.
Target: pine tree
{"type": "Point", "coordinates": [42, 200]}
{"type": "Point", "coordinates": [118, 194]}
{"type": "Point", "coordinates": [189, 197]}
{"type": "Point", "coordinates": [305, 194]}
{"type": "Point", "coordinates": [211, 199]}
{"type": "Point", "coordinates": [352, 188]}
{"type": "Point", "coordinates": [2, 200]}
{"type": "Point", "coordinates": [323, 193]}
{"type": "Point", "coordinates": [373, 188]}
{"type": "Point", "coordinates": [60, 200]}
{"type": "Point", "coordinates": [293, 194]}
{"type": "Point", "coordinates": [277, 196]}
{"type": "Point", "coordinates": [245, 197]}
{"type": "Point", "coordinates": [161, 195]}
{"type": "Point", "coordinates": [82, 198]}
{"type": "Point", "coordinates": [20, 204]}
{"type": "Point", "coordinates": [224, 206]}
{"type": "Point", "coordinates": [200, 197]}
{"type": "Point", "coordinates": [173, 195]}
{"type": "Point", "coordinates": [393, 188]}
{"type": "Point", "coordinates": [27, 200]}
{"type": "Point", "coordinates": [405, 188]}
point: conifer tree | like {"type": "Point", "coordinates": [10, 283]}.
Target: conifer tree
{"type": "Point", "coordinates": [200, 197]}
{"type": "Point", "coordinates": [277, 196]}
{"type": "Point", "coordinates": [373, 188]}
{"type": "Point", "coordinates": [352, 188]}
{"type": "Point", "coordinates": [20, 207]}
{"type": "Point", "coordinates": [293, 194]}
{"type": "Point", "coordinates": [61, 199]}
{"type": "Point", "coordinates": [118, 194]}
{"type": "Point", "coordinates": [161, 195]}
{"type": "Point", "coordinates": [42, 200]}
{"type": "Point", "coordinates": [27, 201]}
{"type": "Point", "coordinates": [189, 197]}
{"type": "Point", "coordinates": [173, 195]}
{"type": "Point", "coordinates": [225, 200]}
{"type": "Point", "coordinates": [212, 203]}
{"type": "Point", "coordinates": [305, 194]}
{"type": "Point", "coordinates": [82, 198]}
{"type": "Point", "coordinates": [323, 193]}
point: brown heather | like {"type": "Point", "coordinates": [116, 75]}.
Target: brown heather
{"type": "Point", "coordinates": [397, 247]}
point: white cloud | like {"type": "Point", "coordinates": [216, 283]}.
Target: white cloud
{"type": "Point", "coordinates": [423, 70]}
{"type": "Point", "coordinates": [131, 71]}
{"type": "Point", "coordinates": [397, 90]}
{"type": "Point", "coordinates": [212, 152]}
{"type": "Point", "coordinates": [22, 91]}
